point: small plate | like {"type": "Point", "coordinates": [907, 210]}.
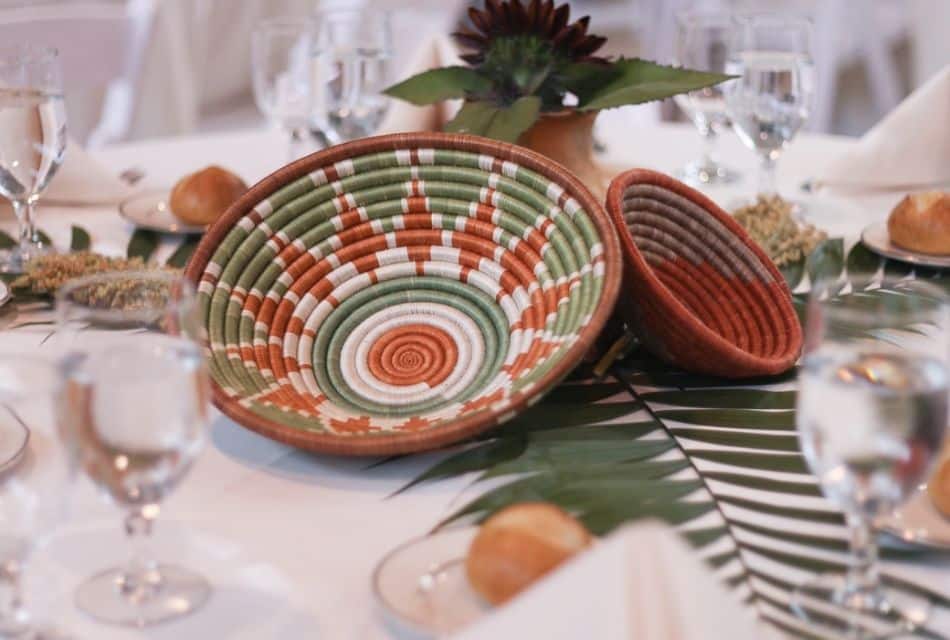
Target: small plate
{"type": "Point", "coordinates": [422, 588]}
{"type": "Point", "coordinates": [919, 523]}
{"type": "Point", "coordinates": [876, 238]}
{"type": "Point", "coordinates": [14, 436]}
{"type": "Point", "coordinates": [150, 210]}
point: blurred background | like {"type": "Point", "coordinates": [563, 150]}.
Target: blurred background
{"type": "Point", "coordinates": [144, 68]}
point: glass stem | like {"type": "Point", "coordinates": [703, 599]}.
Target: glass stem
{"type": "Point", "coordinates": [12, 614]}
{"type": "Point", "coordinates": [23, 210]}
{"type": "Point", "coordinates": [862, 577]}
{"type": "Point", "coordinates": [710, 138]}
{"type": "Point", "coordinates": [766, 184]}
{"type": "Point", "coordinates": [141, 578]}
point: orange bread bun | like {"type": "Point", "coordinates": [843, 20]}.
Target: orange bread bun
{"type": "Point", "coordinates": [518, 545]}
{"type": "Point", "coordinates": [921, 222]}
{"type": "Point", "coordinates": [201, 197]}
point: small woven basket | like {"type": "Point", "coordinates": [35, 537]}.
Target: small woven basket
{"type": "Point", "coordinates": [697, 290]}
{"type": "Point", "coordinates": [403, 292]}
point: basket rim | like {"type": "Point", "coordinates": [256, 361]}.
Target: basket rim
{"type": "Point", "coordinates": [466, 425]}
{"type": "Point", "coordinates": [746, 363]}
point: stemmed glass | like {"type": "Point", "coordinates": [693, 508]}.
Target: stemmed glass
{"type": "Point", "coordinates": [702, 42]}
{"type": "Point", "coordinates": [351, 52]}
{"type": "Point", "coordinates": [280, 66]}
{"type": "Point", "coordinates": [872, 411]}
{"type": "Point", "coordinates": [771, 99]}
{"type": "Point", "coordinates": [35, 472]}
{"type": "Point", "coordinates": [136, 402]}
{"type": "Point", "coordinates": [32, 139]}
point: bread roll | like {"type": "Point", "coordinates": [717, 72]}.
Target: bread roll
{"type": "Point", "coordinates": [921, 222]}
{"type": "Point", "coordinates": [518, 545]}
{"type": "Point", "coordinates": [201, 197]}
{"type": "Point", "coordinates": [939, 486]}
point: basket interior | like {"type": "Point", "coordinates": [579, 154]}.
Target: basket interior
{"type": "Point", "coordinates": [710, 269]}
{"type": "Point", "coordinates": [396, 290]}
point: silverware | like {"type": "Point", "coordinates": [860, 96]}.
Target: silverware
{"type": "Point", "coordinates": [813, 185]}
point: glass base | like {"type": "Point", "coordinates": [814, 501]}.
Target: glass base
{"type": "Point", "coordinates": [707, 173]}
{"type": "Point", "coordinates": [178, 593]}
{"type": "Point", "coordinates": [14, 260]}
{"type": "Point", "coordinates": [882, 613]}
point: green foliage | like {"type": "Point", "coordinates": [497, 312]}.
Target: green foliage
{"type": "Point", "coordinates": [439, 84]}
{"type": "Point", "coordinates": [182, 254]}
{"type": "Point", "coordinates": [79, 239]}
{"type": "Point", "coordinates": [719, 459]}
{"type": "Point", "coordinates": [142, 244]}
{"type": "Point", "coordinates": [500, 123]}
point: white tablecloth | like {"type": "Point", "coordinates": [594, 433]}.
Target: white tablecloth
{"type": "Point", "coordinates": [288, 538]}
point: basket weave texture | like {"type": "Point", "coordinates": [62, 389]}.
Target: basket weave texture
{"type": "Point", "coordinates": [403, 292]}
{"type": "Point", "coordinates": [699, 292]}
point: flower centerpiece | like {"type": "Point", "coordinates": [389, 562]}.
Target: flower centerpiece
{"type": "Point", "coordinates": [533, 77]}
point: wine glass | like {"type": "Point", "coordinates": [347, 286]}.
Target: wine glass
{"type": "Point", "coordinates": [871, 415]}
{"type": "Point", "coordinates": [771, 99]}
{"type": "Point", "coordinates": [35, 471]}
{"type": "Point", "coordinates": [280, 68]}
{"type": "Point", "coordinates": [351, 52]}
{"type": "Point", "coordinates": [702, 42]}
{"type": "Point", "coordinates": [32, 139]}
{"type": "Point", "coordinates": [136, 400]}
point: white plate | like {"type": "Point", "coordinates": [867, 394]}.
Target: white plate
{"type": "Point", "coordinates": [14, 436]}
{"type": "Point", "coordinates": [876, 238]}
{"type": "Point", "coordinates": [150, 210]}
{"type": "Point", "coordinates": [919, 523]}
{"type": "Point", "coordinates": [4, 293]}
{"type": "Point", "coordinates": [422, 589]}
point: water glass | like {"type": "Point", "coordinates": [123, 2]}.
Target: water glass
{"type": "Point", "coordinates": [35, 472]}
{"type": "Point", "coordinates": [280, 67]}
{"type": "Point", "coordinates": [32, 140]}
{"type": "Point", "coordinates": [702, 42]}
{"type": "Point", "coordinates": [872, 411]}
{"type": "Point", "coordinates": [135, 396]}
{"type": "Point", "coordinates": [771, 99]}
{"type": "Point", "coordinates": [351, 53]}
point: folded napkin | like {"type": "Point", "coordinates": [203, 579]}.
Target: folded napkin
{"type": "Point", "coordinates": [83, 180]}
{"type": "Point", "coordinates": [435, 51]}
{"type": "Point", "coordinates": [641, 583]}
{"type": "Point", "coordinates": [910, 146]}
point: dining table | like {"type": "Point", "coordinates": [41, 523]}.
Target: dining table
{"type": "Point", "coordinates": [289, 539]}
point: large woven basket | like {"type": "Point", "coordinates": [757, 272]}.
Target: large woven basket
{"type": "Point", "coordinates": [698, 291]}
{"type": "Point", "coordinates": [403, 292]}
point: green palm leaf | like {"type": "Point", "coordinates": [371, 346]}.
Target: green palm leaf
{"type": "Point", "coordinates": [717, 458]}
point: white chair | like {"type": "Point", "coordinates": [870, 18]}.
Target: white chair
{"type": "Point", "coordinates": [101, 46]}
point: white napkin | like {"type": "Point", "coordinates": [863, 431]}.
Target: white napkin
{"type": "Point", "coordinates": [83, 180]}
{"type": "Point", "coordinates": [435, 51]}
{"type": "Point", "coordinates": [910, 146]}
{"type": "Point", "coordinates": [641, 583]}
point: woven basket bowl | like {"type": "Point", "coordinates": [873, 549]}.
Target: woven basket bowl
{"type": "Point", "coordinates": [697, 290]}
{"type": "Point", "coordinates": [403, 292]}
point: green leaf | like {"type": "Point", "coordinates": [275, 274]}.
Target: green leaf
{"type": "Point", "coordinates": [793, 273]}
{"type": "Point", "coordinates": [79, 239]}
{"type": "Point", "coordinates": [439, 84]}
{"type": "Point", "coordinates": [733, 418]}
{"type": "Point", "coordinates": [724, 398]}
{"type": "Point", "coordinates": [6, 240]}
{"type": "Point", "coordinates": [180, 257]}
{"type": "Point", "coordinates": [863, 265]}
{"type": "Point", "coordinates": [500, 123]}
{"type": "Point", "coordinates": [637, 81]}
{"type": "Point", "coordinates": [826, 262]}
{"type": "Point", "coordinates": [142, 244]}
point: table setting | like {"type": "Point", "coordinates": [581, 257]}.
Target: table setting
{"type": "Point", "coordinates": [458, 350]}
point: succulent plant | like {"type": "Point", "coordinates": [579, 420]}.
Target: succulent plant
{"type": "Point", "coordinates": [527, 57]}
